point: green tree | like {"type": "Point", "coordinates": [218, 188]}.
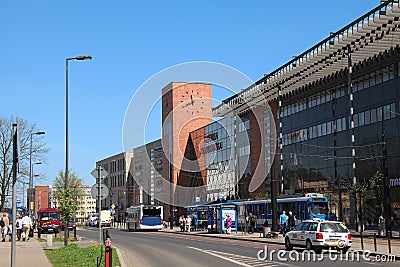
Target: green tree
{"type": "Point", "coordinates": [376, 186]}
{"type": "Point", "coordinates": [66, 196]}
{"type": "Point", "coordinates": [39, 150]}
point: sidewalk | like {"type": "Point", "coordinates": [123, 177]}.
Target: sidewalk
{"type": "Point", "coordinates": [28, 253]}
{"type": "Point", "coordinates": [382, 243]}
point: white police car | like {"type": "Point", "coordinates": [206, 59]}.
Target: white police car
{"type": "Point", "coordinates": [316, 235]}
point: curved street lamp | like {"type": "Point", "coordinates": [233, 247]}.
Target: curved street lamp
{"type": "Point", "coordinates": [66, 128]}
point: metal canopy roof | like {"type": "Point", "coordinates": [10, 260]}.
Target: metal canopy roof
{"type": "Point", "coordinates": [371, 35]}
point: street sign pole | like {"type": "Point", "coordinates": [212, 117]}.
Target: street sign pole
{"type": "Point", "coordinates": [99, 201]}
{"type": "Point", "coordinates": [99, 174]}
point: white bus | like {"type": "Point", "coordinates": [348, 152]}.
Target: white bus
{"type": "Point", "coordinates": [144, 217]}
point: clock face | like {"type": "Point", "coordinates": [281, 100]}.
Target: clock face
{"type": "Point", "coordinates": [192, 101]}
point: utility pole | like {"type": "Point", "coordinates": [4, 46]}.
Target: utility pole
{"type": "Point", "coordinates": [386, 196]}
{"type": "Point", "coordinates": [14, 190]}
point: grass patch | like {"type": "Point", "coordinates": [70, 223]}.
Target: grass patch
{"type": "Point", "coordinates": [72, 256]}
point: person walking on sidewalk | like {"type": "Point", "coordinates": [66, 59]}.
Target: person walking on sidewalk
{"type": "Point", "coordinates": [253, 222]}
{"type": "Point", "coordinates": [291, 221]}
{"type": "Point", "coordinates": [283, 219]}
{"type": "Point", "coordinates": [4, 223]}
{"type": "Point", "coordinates": [26, 226]}
{"type": "Point", "coordinates": [18, 226]}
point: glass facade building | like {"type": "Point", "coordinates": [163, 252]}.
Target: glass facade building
{"type": "Point", "coordinates": [317, 142]}
{"type": "Point", "coordinates": [226, 147]}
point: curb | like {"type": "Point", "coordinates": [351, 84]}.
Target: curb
{"type": "Point", "coordinates": [120, 257]}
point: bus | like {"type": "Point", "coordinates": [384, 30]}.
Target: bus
{"type": "Point", "coordinates": [304, 207]}
{"type": "Point", "coordinates": [144, 217]}
{"type": "Point", "coordinates": [21, 211]}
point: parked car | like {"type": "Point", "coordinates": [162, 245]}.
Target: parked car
{"type": "Point", "coordinates": [90, 218]}
{"type": "Point", "coordinates": [93, 221]}
{"type": "Point", "coordinates": [71, 226]}
{"type": "Point", "coordinates": [319, 234]}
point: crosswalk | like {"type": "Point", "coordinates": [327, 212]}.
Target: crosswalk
{"type": "Point", "coordinates": [242, 260]}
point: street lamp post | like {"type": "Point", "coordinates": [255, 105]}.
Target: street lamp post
{"type": "Point", "coordinates": [31, 191]}
{"type": "Point", "coordinates": [66, 128]}
{"type": "Point", "coordinates": [30, 171]}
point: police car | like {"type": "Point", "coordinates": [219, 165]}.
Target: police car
{"type": "Point", "coordinates": [319, 234]}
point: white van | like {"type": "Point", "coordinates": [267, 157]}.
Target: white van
{"type": "Point", "coordinates": [105, 218]}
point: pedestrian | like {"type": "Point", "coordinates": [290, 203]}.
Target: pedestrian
{"type": "Point", "coordinates": [18, 226]}
{"type": "Point", "coordinates": [5, 223]}
{"type": "Point", "coordinates": [228, 221]}
{"type": "Point", "coordinates": [283, 219]}
{"type": "Point", "coordinates": [182, 223]}
{"type": "Point", "coordinates": [248, 219]}
{"type": "Point", "coordinates": [26, 226]}
{"type": "Point", "coordinates": [291, 221]}
{"type": "Point", "coordinates": [253, 223]}
{"type": "Point", "coordinates": [188, 223]}
{"type": "Point", "coordinates": [381, 225]}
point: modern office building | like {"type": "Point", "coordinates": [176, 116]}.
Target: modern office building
{"type": "Point", "coordinates": [117, 167]}
{"type": "Point", "coordinates": [336, 108]}
{"type": "Point", "coordinates": [148, 173]}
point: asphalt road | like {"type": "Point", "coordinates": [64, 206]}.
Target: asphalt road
{"type": "Point", "coordinates": [171, 249]}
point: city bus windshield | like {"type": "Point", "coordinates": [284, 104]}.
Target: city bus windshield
{"type": "Point", "coordinates": [318, 208]}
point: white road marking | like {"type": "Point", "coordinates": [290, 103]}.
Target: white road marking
{"type": "Point", "coordinates": [222, 257]}
{"type": "Point", "coordinates": [241, 260]}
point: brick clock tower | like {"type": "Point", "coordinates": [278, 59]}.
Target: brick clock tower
{"type": "Point", "coordinates": [185, 107]}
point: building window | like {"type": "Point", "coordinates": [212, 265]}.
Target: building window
{"type": "Point", "coordinates": [373, 116]}
{"type": "Point", "coordinates": [367, 117]}
{"type": "Point", "coordinates": [361, 119]}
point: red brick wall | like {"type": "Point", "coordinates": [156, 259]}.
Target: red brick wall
{"type": "Point", "coordinates": [41, 197]}
{"type": "Point", "coordinates": [188, 107]}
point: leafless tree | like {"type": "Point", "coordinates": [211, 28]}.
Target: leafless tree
{"type": "Point", "coordinates": [39, 151]}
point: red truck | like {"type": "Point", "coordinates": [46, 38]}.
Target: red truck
{"type": "Point", "coordinates": [48, 221]}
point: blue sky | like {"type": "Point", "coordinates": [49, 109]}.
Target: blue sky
{"type": "Point", "coordinates": [130, 41]}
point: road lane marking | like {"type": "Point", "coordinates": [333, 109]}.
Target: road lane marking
{"type": "Point", "coordinates": [241, 260]}
{"type": "Point", "coordinates": [221, 257]}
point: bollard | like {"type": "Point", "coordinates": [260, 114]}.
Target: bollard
{"type": "Point", "coordinates": [49, 239]}
{"type": "Point", "coordinates": [388, 238]}
{"type": "Point", "coordinates": [108, 251]}
{"type": "Point", "coordinates": [362, 241]}
{"type": "Point", "coordinates": [75, 232]}
{"type": "Point", "coordinates": [375, 241]}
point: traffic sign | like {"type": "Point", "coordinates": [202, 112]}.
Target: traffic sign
{"type": "Point", "coordinates": [103, 191]}
{"type": "Point", "coordinates": [99, 172]}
